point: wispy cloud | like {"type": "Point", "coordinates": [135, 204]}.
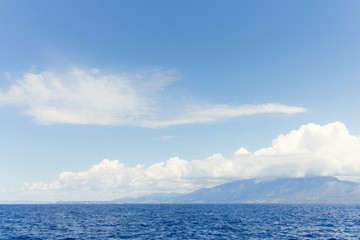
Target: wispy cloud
{"type": "Point", "coordinates": [81, 96]}
{"type": "Point", "coordinates": [311, 150]}
{"type": "Point", "coordinates": [167, 137]}
{"type": "Point", "coordinates": [219, 112]}
{"type": "Point", "coordinates": [87, 97]}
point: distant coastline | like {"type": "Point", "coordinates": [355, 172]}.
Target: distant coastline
{"type": "Point", "coordinates": [309, 190]}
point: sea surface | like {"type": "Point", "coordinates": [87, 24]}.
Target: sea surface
{"type": "Point", "coordinates": [180, 221]}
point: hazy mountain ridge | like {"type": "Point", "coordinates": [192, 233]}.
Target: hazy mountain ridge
{"type": "Point", "coordinates": [317, 190]}
{"type": "Point", "coordinates": [285, 190]}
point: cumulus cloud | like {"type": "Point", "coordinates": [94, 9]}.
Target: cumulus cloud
{"type": "Point", "coordinates": [81, 96]}
{"type": "Point", "coordinates": [311, 150]}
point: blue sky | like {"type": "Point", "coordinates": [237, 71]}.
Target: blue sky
{"type": "Point", "coordinates": [127, 68]}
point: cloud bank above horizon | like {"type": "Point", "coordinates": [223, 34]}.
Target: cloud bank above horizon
{"type": "Point", "coordinates": [81, 96]}
{"type": "Point", "coordinates": [311, 150]}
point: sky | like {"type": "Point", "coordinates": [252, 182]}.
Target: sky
{"type": "Point", "coordinates": [102, 100]}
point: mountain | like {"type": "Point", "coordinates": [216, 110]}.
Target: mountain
{"type": "Point", "coordinates": [150, 198]}
{"type": "Point", "coordinates": [285, 190]}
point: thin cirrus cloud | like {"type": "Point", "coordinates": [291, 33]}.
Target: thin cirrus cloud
{"type": "Point", "coordinates": [81, 96]}
{"type": "Point", "coordinates": [218, 112]}
{"type": "Point", "coordinates": [311, 150]}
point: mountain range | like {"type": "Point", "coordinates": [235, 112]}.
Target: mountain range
{"type": "Point", "coordinates": [329, 190]}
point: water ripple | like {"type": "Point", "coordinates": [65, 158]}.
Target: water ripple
{"type": "Point", "coordinates": [208, 221]}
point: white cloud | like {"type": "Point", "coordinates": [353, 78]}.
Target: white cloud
{"type": "Point", "coordinates": [218, 112]}
{"type": "Point", "coordinates": [312, 150]}
{"type": "Point", "coordinates": [242, 151]}
{"type": "Point", "coordinates": [167, 137]}
{"type": "Point", "coordinates": [83, 96]}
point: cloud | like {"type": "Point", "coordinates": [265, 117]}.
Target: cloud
{"type": "Point", "coordinates": [86, 97]}
{"type": "Point", "coordinates": [113, 178]}
{"type": "Point", "coordinates": [81, 96]}
{"type": "Point", "coordinates": [219, 112]}
{"type": "Point", "coordinates": [167, 137]}
{"type": "Point", "coordinates": [311, 150]}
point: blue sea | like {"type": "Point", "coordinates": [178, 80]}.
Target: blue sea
{"type": "Point", "coordinates": [180, 221]}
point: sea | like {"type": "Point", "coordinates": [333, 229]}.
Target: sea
{"type": "Point", "coordinates": [179, 221]}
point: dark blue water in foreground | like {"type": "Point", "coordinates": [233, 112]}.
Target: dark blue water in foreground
{"type": "Point", "coordinates": [238, 221]}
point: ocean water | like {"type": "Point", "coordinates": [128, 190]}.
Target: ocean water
{"type": "Point", "coordinates": [177, 221]}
